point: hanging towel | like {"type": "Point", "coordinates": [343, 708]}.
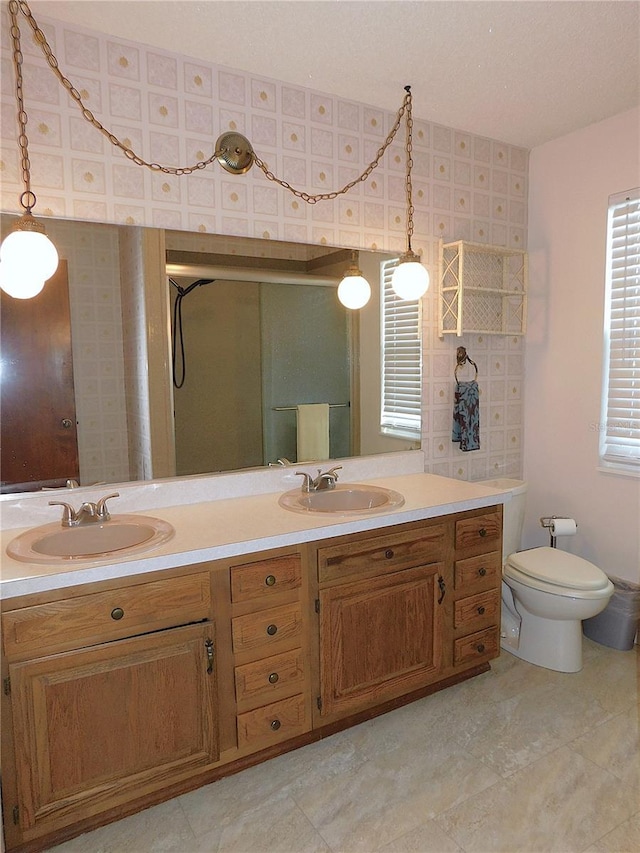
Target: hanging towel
{"type": "Point", "coordinates": [466, 416]}
{"type": "Point", "coordinates": [313, 432]}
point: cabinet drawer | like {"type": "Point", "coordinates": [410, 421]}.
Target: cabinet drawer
{"type": "Point", "coordinates": [102, 616]}
{"type": "Point", "coordinates": [258, 631]}
{"type": "Point", "coordinates": [272, 723]}
{"type": "Point", "coordinates": [271, 678]}
{"type": "Point", "coordinates": [480, 646]}
{"type": "Point", "coordinates": [483, 607]}
{"type": "Point", "coordinates": [380, 553]}
{"type": "Point", "coordinates": [255, 580]}
{"type": "Point", "coordinates": [481, 530]}
{"type": "Point", "coordinates": [481, 571]}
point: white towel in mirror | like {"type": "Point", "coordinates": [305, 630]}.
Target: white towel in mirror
{"type": "Point", "coordinates": [313, 432]}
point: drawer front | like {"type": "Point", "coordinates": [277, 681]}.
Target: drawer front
{"type": "Point", "coordinates": [481, 608]}
{"type": "Point", "coordinates": [258, 631]}
{"type": "Point", "coordinates": [481, 530]}
{"type": "Point", "coordinates": [258, 580]}
{"type": "Point", "coordinates": [272, 723]}
{"type": "Point", "coordinates": [477, 572]}
{"type": "Point", "coordinates": [103, 616]}
{"type": "Point", "coordinates": [380, 553]}
{"type": "Point", "coordinates": [271, 678]}
{"type": "Point", "coordinates": [478, 647]}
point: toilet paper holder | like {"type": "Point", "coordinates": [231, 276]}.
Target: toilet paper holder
{"type": "Point", "coordinates": [549, 523]}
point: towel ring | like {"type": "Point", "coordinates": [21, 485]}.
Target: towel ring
{"type": "Point", "coordinates": [461, 359]}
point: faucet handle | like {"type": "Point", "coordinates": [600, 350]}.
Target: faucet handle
{"type": "Point", "coordinates": [102, 513]}
{"type": "Point", "coordinates": [68, 513]}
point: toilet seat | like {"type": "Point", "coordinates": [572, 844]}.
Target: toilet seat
{"type": "Point", "coordinates": [539, 567]}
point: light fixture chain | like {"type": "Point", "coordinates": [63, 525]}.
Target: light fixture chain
{"type": "Point", "coordinates": [27, 199]}
{"type": "Point", "coordinates": [86, 112]}
{"type": "Point", "coordinates": [409, 150]}
{"type": "Point", "coordinates": [315, 198]}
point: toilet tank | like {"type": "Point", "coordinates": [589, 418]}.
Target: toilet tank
{"type": "Point", "coordinates": [513, 512]}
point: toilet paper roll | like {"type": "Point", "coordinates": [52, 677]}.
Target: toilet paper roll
{"type": "Point", "coordinates": [563, 527]}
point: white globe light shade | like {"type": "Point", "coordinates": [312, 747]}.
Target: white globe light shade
{"type": "Point", "coordinates": [410, 280]}
{"type": "Point", "coordinates": [30, 252]}
{"type": "Point", "coordinates": [354, 291]}
{"type": "Point", "coordinates": [16, 283]}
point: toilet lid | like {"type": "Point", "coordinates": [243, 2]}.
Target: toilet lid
{"type": "Point", "coordinates": [558, 568]}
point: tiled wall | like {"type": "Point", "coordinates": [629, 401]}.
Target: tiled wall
{"type": "Point", "coordinates": [171, 109]}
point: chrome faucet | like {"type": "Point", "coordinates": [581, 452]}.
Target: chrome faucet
{"type": "Point", "coordinates": [322, 482]}
{"type": "Point", "coordinates": [89, 512]}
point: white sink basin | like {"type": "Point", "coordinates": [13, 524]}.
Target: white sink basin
{"type": "Point", "coordinates": [347, 499]}
{"type": "Point", "coordinates": [120, 536]}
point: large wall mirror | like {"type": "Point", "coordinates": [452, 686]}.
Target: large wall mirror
{"type": "Point", "coordinates": [225, 335]}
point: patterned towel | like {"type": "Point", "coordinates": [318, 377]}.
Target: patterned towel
{"type": "Point", "coordinates": [466, 416]}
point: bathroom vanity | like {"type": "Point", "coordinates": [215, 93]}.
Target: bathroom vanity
{"type": "Point", "coordinates": [129, 683]}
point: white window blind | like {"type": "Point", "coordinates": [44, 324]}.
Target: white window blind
{"type": "Point", "coordinates": [401, 360]}
{"type": "Point", "coordinates": [620, 429]}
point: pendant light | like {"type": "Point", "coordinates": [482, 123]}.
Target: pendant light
{"type": "Point", "coordinates": [410, 279]}
{"type": "Point", "coordinates": [354, 291]}
{"type": "Point", "coordinates": [27, 257]}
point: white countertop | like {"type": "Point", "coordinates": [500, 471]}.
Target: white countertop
{"type": "Point", "coordinates": [211, 530]}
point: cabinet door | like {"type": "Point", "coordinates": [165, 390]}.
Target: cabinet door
{"type": "Point", "coordinates": [380, 638]}
{"type": "Point", "coordinates": [97, 727]}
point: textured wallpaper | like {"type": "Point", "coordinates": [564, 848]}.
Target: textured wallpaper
{"type": "Point", "coordinates": [171, 109]}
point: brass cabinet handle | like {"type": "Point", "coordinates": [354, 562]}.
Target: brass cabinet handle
{"type": "Point", "coordinates": [275, 725]}
{"type": "Point", "coordinates": [208, 644]}
{"type": "Point", "coordinates": [273, 678]}
{"type": "Point", "coordinates": [389, 553]}
{"type": "Point", "coordinates": [481, 611]}
{"type": "Point", "coordinates": [117, 613]}
{"type": "Point", "coordinates": [271, 630]}
{"type": "Point", "coordinates": [270, 580]}
{"type": "Point", "coordinates": [480, 648]}
{"type": "Point", "coordinates": [443, 589]}
{"type": "Point", "coordinates": [482, 572]}
{"type": "Point", "coordinates": [482, 532]}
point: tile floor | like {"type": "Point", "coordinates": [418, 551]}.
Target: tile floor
{"type": "Point", "coordinates": [520, 760]}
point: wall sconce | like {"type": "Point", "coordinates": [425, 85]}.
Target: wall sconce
{"type": "Point", "coordinates": [18, 274]}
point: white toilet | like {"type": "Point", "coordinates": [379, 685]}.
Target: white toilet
{"type": "Point", "coordinates": [546, 593]}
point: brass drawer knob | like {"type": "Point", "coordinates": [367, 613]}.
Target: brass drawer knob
{"type": "Point", "coordinates": [481, 611]}
{"type": "Point", "coordinates": [272, 629]}
{"type": "Point", "coordinates": [270, 580]}
{"type": "Point", "coordinates": [482, 532]}
{"type": "Point", "coordinates": [117, 613]}
{"type": "Point", "coordinates": [275, 725]}
{"type": "Point", "coordinates": [273, 678]}
{"type": "Point", "coordinates": [389, 553]}
{"type": "Point", "coordinates": [480, 648]}
{"type": "Point", "coordinates": [482, 572]}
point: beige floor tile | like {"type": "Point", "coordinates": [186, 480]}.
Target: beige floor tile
{"type": "Point", "coordinates": [623, 839]}
{"type": "Point", "coordinates": [426, 838]}
{"type": "Point", "coordinates": [392, 794]}
{"type": "Point", "coordinates": [614, 745]}
{"type": "Point", "coordinates": [160, 829]}
{"type": "Point", "coordinates": [560, 804]}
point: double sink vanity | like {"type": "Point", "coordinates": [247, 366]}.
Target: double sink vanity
{"type": "Point", "coordinates": [239, 628]}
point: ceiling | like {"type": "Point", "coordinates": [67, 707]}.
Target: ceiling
{"type": "Point", "coordinates": [522, 71]}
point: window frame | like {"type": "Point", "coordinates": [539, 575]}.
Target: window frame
{"type": "Point", "coordinates": [619, 429]}
{"type": "Point", "coordinates": [400, 341]}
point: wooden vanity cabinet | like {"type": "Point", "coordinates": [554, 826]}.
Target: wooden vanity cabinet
{"type": "Point", "coordinates": [270, 639]}
{"type": "Point", "coordinates": [111, 694]}
{"type": "Point", "coordinates": [123, 693]}
{"type": "Point", "coordinates": [381, 619]}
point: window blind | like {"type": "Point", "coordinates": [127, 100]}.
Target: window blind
{"type": "Point", "coordinates": [401, 360]}
{"type": "Point", "coordinates": [620, 429]}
